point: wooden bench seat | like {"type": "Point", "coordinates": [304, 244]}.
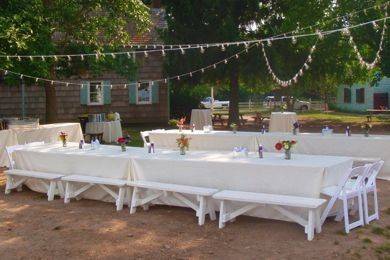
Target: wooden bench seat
{"type": "Point", "coordinates": [164, 189]}
{"type": "Point", "coordinates": [277, 202]}
{"type": "Point", "coordinates": [101, 182]}
{"type": "Point", "coordinates": [16, 178]}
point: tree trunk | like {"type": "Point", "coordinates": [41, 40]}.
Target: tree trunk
{"type": "Point", "coordinates": [51, 99]}
{"type": "Point", "coordinates": [234, 96]}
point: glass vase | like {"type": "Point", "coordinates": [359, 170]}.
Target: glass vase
{"type": "Point", "coordinates": [366, 133]}
{"type": "Point", "coordinates": [64, 143]}
{"type": "Point", "coordinates": [182, 151]}
{"type": "Point", "coordinates": [123, 147]}
{"type": "Point", "coordinates": [287, 154]}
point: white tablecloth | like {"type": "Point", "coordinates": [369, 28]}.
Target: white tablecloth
{"type": "Point", "coordinates": [111, 130]}
{"type": "Point", "coordinates": [215, 140]}
{"type": "Point", "coordinates": [7, 138]}
{"type": "Point", "coordinates": [201, 117]}
{"type": "Point", "coordinates": [44, 133]}
{"type": "Point", "coordinates": [374, 146]}
{"type": "Point", "coordinates": [282, 121]}
{"type": "Point", "coordinates": [304, 175]}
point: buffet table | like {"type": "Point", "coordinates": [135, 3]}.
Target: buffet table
{"type": "Point", "coordinates": [44, 133]}
{"type": "Point", "coordinates": [304, 175]}
{"type": "Point", "coordinates": [111, 130]}
{"type": "Point", "coordinates": [214, 140]}
{"type": "Point", "coordinates": [282, 121]}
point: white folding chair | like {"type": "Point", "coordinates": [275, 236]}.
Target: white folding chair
{"type": "Point", "coordinates": [370, 186]}
{"type": "Point", "coordinates": [345, 190]}
{"type": "Point", "coordinates": [145, 138]}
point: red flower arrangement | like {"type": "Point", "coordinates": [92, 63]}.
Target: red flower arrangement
{"type": "Point", "coordinates": [286, 145]}
{"type": "Point", "coordinates": [63, 136]}
{"type": "Point", "coordinates": [121, 140]}
{"type": "Point", "coordinates": [181, 122]}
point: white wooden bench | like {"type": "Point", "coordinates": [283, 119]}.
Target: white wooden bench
{"type": "Point", "coordinates": [16, 178]}
{"type": "Point", "coordinates": [278, 202]}
{"type": "Point", "coordinates": [164, 189]}
{"type": "Point", "coordinates": [91, 181]}
{"type": "Point", "coordinates": [360, 161]}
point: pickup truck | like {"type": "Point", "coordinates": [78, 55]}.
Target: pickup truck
{"type": "Point", "coordinates": [206, 103]}
{"type": "Point", "coordinates": [270, 101]}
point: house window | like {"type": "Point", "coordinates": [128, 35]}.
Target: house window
{"type": "Point", "coordinates": [95, 93]}
{"type": "Point", "coordinates": [144, 93]}
{"type": "Point", "coordinates": [360, 95]}
{"type": "Point", "coordinates": [347, 95]}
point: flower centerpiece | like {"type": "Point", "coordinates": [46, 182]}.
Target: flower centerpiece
{"type": "Point", "coordinates": [283, 107]}
{"type": "Point", "coordinates": [123, 141]}
{"type": "Point", "coordinates": [366, 127]}
{"type": "Point", "coordinates": [183, 143]}
{"type": "Point", "coordinates": [296, 127]}
{"type": "Point", "coordinates": [286, 145]}
{"type": "Point", "coordinates": [233, 126]}
{"type": "Point", "coordinates": [179, 123]}
{"type": "Point", "coordinates": [63, 137]}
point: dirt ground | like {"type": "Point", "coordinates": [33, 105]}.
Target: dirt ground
{"type": "Point", "coordinates": [33, 228]}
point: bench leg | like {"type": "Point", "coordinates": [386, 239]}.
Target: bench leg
{"type": "Point", "coordinates": [318, 221]}
{"type": "Point", "coordinates": [61, 189]}
{"type": "Point", "coordinates": [128, 196]}
{"type": "Point", "coordinates": [9, 184]}
{"type": "Point", "coordinates": [310, 225]}
{"type": "Point", "coordinates": [20, 187]}
{"type": "Point", "coordinates": [202, 210]}
{"type": "Point", "coordinates": [134, 198]}
{"type": "Point", "coordinates": [211, 210]}
{"type": "Point", "coordinates": [121, 196]}
{"type": "Point", "coordinates": [222, 214]}
{"type": "Point", "coordinates": [68, 192]}
{"type": "Point", "coordinates": [51, 191]}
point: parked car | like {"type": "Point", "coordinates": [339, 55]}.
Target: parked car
{"type": "Point", "coordinates": [270, 101]}
{"type": "Point", "coordinates": [206, 103]}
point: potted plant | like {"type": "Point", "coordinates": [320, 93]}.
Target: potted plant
{"type": "Point", "coordinates": [183, 143]}
{"type": "Point", "coordinates": [63, 137]}
{"type": "Point", "coordinates": [233, 126]}
{"type": "Point", "coordinates": [287, 146]}
{"type": "Point", "coordinates": [366, 127]}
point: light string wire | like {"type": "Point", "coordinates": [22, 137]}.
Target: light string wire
{"type": "Point", "coordinates": [178, 77]}
{"type": "Point", "coordinates": [161, 48]}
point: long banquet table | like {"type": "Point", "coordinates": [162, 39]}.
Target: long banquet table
{"type": "Point", "coordinates": [304, 175]}
{"type": "Point", "coordinates": [358, 146]}
{"type": "Point", "coordinates": [44, 133]}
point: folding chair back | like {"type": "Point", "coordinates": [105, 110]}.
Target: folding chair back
{"type": "Point", "coordinates": [373, 172]}
{"type": "Point", "coordinates": [145, 138]}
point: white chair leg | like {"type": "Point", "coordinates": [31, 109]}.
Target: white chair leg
{"type": "Point", "coordinates": [121, 196]}
{"type": "Point", "coordinates": [51, 190]}
{"type": "Point", "coordinates": [202, 210]}
{"type": "Point", "coordinates": [222, 214]}
{"type": "Point", "coordinates": [9, 184]}
{"type": "Point", "coordinates": [346, 217]}
{"type": "Point", "coordinates": [310, 225]}
{"type": "Point", "coordinates": [339, 214]}
{"type": "Point", "coordinates": [365, 204]}
{"type": "Point", "coordinates": [360, 206]}
{"type": "Point", "coordinates": [133, 206]}
{"type": "Point", "coordinates": [376, 206]}
{"type": "Point", "coordinates": [68, 192]}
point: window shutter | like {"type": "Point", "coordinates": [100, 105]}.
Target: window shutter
{"type": "Point", "coordinates": [133, 93]}
{"type": "Point", "coordinates": [84, 93]}
{"type": "Point", "coordinates": [155, 92]}
{"type": "Point", "coordinates": [106, 92]}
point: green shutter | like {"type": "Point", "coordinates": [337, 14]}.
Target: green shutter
{"type": "Point", "coordinates": [106, 92]}
{"type": "Point", "coordinates": [84, 93]}
{"type": "Point", "coordinates": [155, 92]}
{"type": "Point", "coordinates": [133, 93]}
